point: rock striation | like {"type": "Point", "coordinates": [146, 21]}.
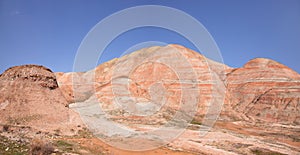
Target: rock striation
{"type": "Point", "coordinates": [261, 90]}
{"type": "Point", "coordinates": [264, 90]}
{"type": "Point", "coordinates": [34, 73]}
{"type": "Point", "coordinates": [158, 88]}
{"type": "Point", "coordinates": [30, 96]}
{"type": "Point", "coordinates": [154, 78]}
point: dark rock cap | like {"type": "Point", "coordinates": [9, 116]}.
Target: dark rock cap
{"type": "Point", "coordinates": [34, 73]}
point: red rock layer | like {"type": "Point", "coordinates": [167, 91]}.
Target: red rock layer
{"type": "Point", "coordinates": [265, 90]}
{"type": "Point", "coordinates": [159, 72]}
{"type": "Point", "coordinates": [29, 96]}
{"type": "Point", "coordinates": [260, 90]}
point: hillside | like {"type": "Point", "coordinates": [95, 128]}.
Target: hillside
{"type": "Point", "coordinates": [155, 100]}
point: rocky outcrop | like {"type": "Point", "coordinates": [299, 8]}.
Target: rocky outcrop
{"type": "Point", "coordinates": [79, 86]}
{"type": "Point", "coordinates": [158, 77]}
{"type": "Point", "coordinates": [30, 96]}
{"type": "Point", "coordinates": [264, 90]}
{"type": "Point", "coordinates": [152, 89]}
{"type": "Point", "coordinates": [34, 73]}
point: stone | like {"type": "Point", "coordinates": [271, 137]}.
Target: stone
{"type": "Point", "coordinates": [264, 90]}
{"type": "Point", "coordinates": [30, 96]}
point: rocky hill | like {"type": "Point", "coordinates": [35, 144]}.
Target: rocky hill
{"type": "Point", "coordinates": [265, 90]}
{"type": "Point", "coordinates": [261, 90]}
{"type": "Point", "coordinates": [259, 104]}
{"type": "Point", "coordinates": [29, 96]}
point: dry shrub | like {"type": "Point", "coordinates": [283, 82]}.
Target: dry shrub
{"type": "Point", "coordinates": [5, 128]}
{"type": "Point", "coordinates": [40, 147]}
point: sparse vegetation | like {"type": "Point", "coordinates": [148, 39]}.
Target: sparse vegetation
{"type": "Point", "coordinates": [84, 133]}
{"type": "Point", "coordinates": [64, 145]}
{"type": "Point", "coordinates": [5, 128]}
{"type": "Point", "coordinates": [265, 152]}
{"type": "Point", "coordinates": [57, 132]}
{"type": "Point", "coordinates": [196, 122]}
{"type": "Point", "coordinates": [22, 120]}
{"type": "Point", "coordinates": [9, 147]}
{"type": "Point", "coordinates": [40, 147]}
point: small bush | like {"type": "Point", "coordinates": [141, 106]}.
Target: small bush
{"type": "Point", "coordinates": [5, 128]}
{"type": "Point", "coordinates": [40, 147]}
{"type": "Point", "coordinates": [196, 122]}
{"type": "Point", "coordinates": [265, 152]}
{"type": "Point", "coordinates": [64, 145]}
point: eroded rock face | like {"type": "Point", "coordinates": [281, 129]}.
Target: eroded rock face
{"type": "Point", "coordinates": [264, 90]}
{"type": "Point", "coordinates": [80, 86]}
{"type": "Point", "coordinates": [30, 96]}
{"type": "Point", "coordinates": [261, 91]}
{"type": "Point", "coordinates": [152, 75]}
{"type": "Point", "coordinates": [34, 73]}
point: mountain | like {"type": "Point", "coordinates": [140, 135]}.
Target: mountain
{"type": "Point", "coordinates": [261, 90]}
{"type": "Point", "coordinates": [154, 87]}
{"type": "Point", "coordinates": [265, 90]}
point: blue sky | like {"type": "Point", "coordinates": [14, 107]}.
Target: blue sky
{"type": "Point", "coordinates": [49, 32]}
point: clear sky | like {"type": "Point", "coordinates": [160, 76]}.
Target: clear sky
{"type": "Point", "coordinates": [49, 32]}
